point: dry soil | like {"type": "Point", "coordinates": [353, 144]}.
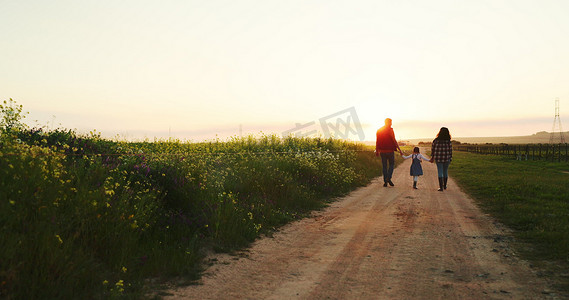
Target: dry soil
{"type": "Point", "coordinates": [379, 243]}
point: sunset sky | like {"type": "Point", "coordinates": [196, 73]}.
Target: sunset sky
{"type": "Point", "coordinates": [194, 69]}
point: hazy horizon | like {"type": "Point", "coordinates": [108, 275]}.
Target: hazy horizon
{"type": "Point", "coordinates": [229, 132]}
{"type": "Point", "coordinates": [197, 69]}
{"type": "Point", "coordinates": [404, 130]}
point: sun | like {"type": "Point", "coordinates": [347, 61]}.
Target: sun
{"type": "Point", "coordinates": [372, 115]}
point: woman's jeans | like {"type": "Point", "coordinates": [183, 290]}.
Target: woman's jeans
{"type": "Point", "coordinates": [388, 157]}
{"type": "Point", "coordinates": [442, 168]}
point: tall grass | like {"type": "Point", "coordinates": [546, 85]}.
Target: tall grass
{"type": "Point", "coordinates": [530, 197]}
{"type": "Point", "coordinates": [86, 217]}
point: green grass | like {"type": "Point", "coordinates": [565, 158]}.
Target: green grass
{"type": "Point", "coordinates": [85, 217]}
{"type": "Point", "coordinates": [531, 197]}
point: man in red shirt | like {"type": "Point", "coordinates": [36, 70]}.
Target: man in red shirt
{"type": "Point", "coordinates": [385, 146]}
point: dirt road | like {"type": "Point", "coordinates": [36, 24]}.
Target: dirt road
{"type": "Point", "coordinates": [379, 243]}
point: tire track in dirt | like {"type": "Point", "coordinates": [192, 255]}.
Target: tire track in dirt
{"type": "Point", "coordinates": [379, 243]}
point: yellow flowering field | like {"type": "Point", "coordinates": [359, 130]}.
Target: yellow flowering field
{"type": "Point", "coordinates": [87, 217]}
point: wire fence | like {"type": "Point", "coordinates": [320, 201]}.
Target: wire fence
{"type": "Point", "coordinates": [543, 152]}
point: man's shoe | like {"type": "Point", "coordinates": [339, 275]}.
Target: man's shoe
{"type": "Point", "coordinates": [390, 182]}
{"type": "Point", "coordinates": [385, 183]}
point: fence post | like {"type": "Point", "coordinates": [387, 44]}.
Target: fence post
{"type": "Point", "coordinates": [527, 151]}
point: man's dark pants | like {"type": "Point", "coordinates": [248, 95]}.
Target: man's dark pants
{"type": "Point", "coordinates": [387, 157]}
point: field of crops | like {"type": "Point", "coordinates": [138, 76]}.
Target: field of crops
{"type": "Point", "coordinates": [82, 215]}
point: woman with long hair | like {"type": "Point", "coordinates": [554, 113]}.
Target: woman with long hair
{"type": "Point", "coordinates": [441, 153]}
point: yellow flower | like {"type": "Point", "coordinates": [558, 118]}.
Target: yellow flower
{"type": "Point", "coordinates": [59, 238]}
{"type": "Point", "coordinates": [120, 285]}
{"type": "Point", "coordinates": [123, 269]}
{"type": "Point", "coordinates": [105, 282]}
